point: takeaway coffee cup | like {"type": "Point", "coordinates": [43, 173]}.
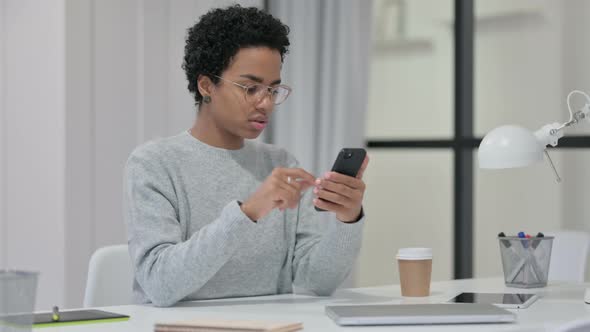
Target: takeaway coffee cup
{"type": "Point", "coordinates": [415, 269]}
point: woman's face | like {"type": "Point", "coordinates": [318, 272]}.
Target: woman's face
{"type": "Point", "coordinates": [230, 110]}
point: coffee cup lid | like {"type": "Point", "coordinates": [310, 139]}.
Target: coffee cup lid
{"type": "Point", "coordinates": [414, 253]}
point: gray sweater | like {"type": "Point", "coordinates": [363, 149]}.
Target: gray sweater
{"type": "Point", "coordinates": [189, 239]}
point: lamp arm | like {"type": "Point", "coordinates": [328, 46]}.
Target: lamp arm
{"type": "Point", "coordinates": [549, 134]}
{"type": "Point", "coordinates": [582, 114]}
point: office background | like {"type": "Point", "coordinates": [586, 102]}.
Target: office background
{"type": "Point", "coordinates": [82, 82]}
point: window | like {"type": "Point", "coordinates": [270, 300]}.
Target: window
{"type": "Point", "coordinates": [444, 73]}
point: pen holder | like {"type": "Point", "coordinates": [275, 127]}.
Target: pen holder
{"type": "Point", "coordinates": [525, 261]}
{"type": "Point", "coordinates": [17, 300]}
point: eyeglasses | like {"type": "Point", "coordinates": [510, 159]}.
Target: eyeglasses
{"type": "Point", "coordinates": [255, 93]}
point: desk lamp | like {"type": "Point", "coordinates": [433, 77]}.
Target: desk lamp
{"type": "Point", "coordinates": [513, 146]}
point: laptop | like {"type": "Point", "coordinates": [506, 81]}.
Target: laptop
{"type": "Point", "coordinates": [410, 314]}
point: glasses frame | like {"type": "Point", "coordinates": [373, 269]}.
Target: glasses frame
{"type": "Point", "coordinates": [269, 90]}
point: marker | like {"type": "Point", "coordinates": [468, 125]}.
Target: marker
{"type": "Point", "coordinates": [537, 242]}
{"type": "Point", "coordinates": [505, 242]}
{"type": "Point", "coordinates": [525, 243]}
{"type": "Point", "coordinates": [55, 316]}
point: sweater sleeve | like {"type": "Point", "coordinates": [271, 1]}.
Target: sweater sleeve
{"type": "Point", "coordinates": [325, 248]}
{"type": "Point", "coordinates": [167, 268]}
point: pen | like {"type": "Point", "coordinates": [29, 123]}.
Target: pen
{"type": "Point", "coordinates": [525, 242]}
{"type": "Point", "coordinates": [55, 316]}
{"type": "Point", "coordinates": [506, 243]}
{"type": "Point", "coordinates": [514, 256]}
{"type": "Point", "coordinates": [537, 242]}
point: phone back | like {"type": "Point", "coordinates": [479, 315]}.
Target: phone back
{"type": "Point", "coordinates": [349, 161]}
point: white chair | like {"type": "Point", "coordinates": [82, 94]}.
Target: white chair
{"type": "Point", "coordinates": [110, 277]}
{"type": "Point", "coordinates": [569, 255]}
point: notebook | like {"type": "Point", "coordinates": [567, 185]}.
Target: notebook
{"type": "Point", "coordinates": [76, 317]}
{"type": "Point", "coordinates": [407, 314]}
{"type": "Point", "coordinates": [209, 325]}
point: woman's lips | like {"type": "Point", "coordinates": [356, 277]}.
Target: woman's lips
{"type": "Point", "coordinates": [258, 125]}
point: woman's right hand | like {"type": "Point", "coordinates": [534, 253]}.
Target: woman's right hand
{"type": "Point", "coordinates": [281, 189]}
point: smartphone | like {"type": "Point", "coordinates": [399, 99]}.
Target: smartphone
{"type": "Point", "coordinates": [348, 162]}
{"type": "Point", "coordinates": [504, 300]}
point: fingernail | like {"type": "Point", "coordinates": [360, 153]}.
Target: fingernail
{"type": "Point", "coordinates": [315, 190]}
{"type": "Point", "coordinates": [318, 181]}
{"type": "Point", "coordinates": [327, 175]}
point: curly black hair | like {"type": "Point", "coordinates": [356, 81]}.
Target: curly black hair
{"type": "Point", "coordinates": [221, 33]}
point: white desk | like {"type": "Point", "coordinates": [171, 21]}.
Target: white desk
{"type": "Point", "coordinates": [560, 303]}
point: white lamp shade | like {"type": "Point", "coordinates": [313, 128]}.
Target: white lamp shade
{"type": "Point", "coordinates": [509, 147]}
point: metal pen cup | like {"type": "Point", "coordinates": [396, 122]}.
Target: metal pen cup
{"type": "Point", "coordinates": [525, 261]}
{"type": "Point", "coordinates": [17, 300]}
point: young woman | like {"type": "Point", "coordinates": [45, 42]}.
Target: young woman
{"type": "Point", "coordinates": [210, 214]}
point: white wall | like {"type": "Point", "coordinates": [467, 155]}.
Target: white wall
{"type": "Point", "coordinates": [79, 233]}
{"type": "Point", "coordinates": [33, 155]}
{"type": "Point", "coordinates": [577, 70]}
{"type": "Point", "coordinates": [576, 65]}
{"type": "Point", "coordinates": [3, 222]}
{"type": "Point", "coordinates": [83, 82]}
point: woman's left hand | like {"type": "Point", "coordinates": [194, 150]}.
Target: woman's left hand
{"type": "Point", "coordinates": [341, 194]}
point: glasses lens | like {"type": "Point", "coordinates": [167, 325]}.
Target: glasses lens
{"type": "Point", "coordinates": [255, 93]}
{"type": "Point", "coordinates": [280, 94]}
{"type": "Point", "coordinates": [254, 90]}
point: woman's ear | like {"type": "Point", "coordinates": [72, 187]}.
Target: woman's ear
{"type": "Point", "coordinates": [205, 85]}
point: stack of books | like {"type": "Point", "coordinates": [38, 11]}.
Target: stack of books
{"type": "Point", "coordinates": [207, 325]}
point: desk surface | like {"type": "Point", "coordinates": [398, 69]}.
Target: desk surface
{"type": "Point", "coordinates": [560, 302]}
